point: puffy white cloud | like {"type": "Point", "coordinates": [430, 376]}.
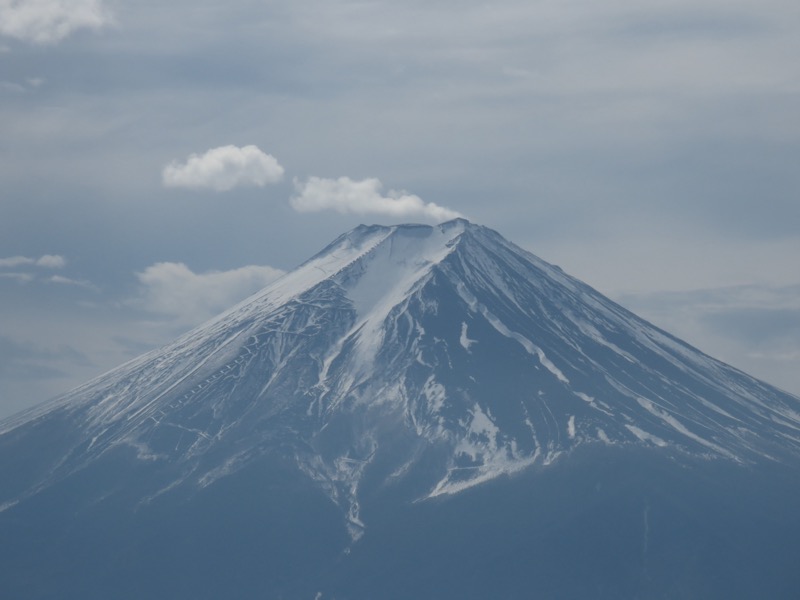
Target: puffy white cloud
{"type": "Point", "coordinates": [345, 195]}
{"type": "Point", "coordinates": [224, 168]}
{"type": "Point", "coordinates": [172, 289]}
{"type": "Point", "coordinates": [51, 261]}
{"type": "Point", "coordinates": [48, 261]}
{"type": "Point", "coordinates": [50, 21]}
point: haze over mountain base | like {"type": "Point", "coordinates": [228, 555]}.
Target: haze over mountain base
{"type": "Point", "coordinates": [601, 523]}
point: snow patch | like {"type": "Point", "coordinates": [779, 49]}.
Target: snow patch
{"type": "Point", "coordinates": [466, 343]}
{"type": "Point", "coordinates": [680, 427]}
{"type": "Point", "coordinates": [227, 468]}
{"type": "Point", "coordinates": [490, 458]}
{"type": "Point", "coordinates": [529, 346]}
{"type": "Point", "coordinates": [481, 437]}
{"type": "Point", "coordinates": [435, 395]}
{"type": "Point", "coordinates": [449, 485]}
{"type": "Point", "coordinates": [384, 278]}
{"type": "Point", "coordinates": [501, 328]}
{"type": "Point", "coordinates": [390, 269]}
{"type": "Point", "coordinates": [644, 436]}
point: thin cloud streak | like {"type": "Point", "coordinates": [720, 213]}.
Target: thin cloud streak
{"type": "Point", "coordinates": [47, 261]}
{"type": "Point", "coordinates": [19, 277]}
{"type": "Point", "coordinates": [61, 280]}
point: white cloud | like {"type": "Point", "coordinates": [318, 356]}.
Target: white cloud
{"type": "Point", "coordinates": [51, 261]}
{"type": "Point", "coordinates": [223, 169]}
{"type": "Point", "coordinates": [61, 280]}
{"type": "Point", "coordinates": [15, 261]}
{"type": "Point", "coordinates": [345, 195]}
{"type": "Point", "coordinates": [47, 261]}
{"type": "Point", "coordinates": [174, 290]}
{"type": "Point", "coordinates": [50, 21]}
{"type": "Point", "coordinates": [20, 277]}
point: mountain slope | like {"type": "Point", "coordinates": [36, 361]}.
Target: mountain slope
{"type": "Point", "coordinates": [397, 369]}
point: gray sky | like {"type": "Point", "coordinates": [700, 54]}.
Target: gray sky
{"type": "Point", "coordinates": [160, 161]}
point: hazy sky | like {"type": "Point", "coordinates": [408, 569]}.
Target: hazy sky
{"type": "Point", "coordinates": [160, 161]}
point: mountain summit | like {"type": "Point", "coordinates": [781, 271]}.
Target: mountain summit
{"type": "Point", "coordinates": [399, 367]}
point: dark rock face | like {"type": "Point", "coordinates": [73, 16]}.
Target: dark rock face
{"type": "Point", "coordinates": [416, 412]}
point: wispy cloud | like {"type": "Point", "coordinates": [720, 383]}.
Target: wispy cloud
{"type": "Point", "coordinates": [61, 280]}
{"type": "Point", "coordinates": [47, 261]}
{"type": "Point", "coordinates": [19, 277]}
{"type": "Point", "coordinates": [23, 269]}
{"type": "Point", "coordinates": [50, 21]}
{"type": "Point", "coordinates": [345, 195]}
{"type": "Point", "coordinates": [173, 290]}
{"type": "Point", "coordinates": [223, 169]}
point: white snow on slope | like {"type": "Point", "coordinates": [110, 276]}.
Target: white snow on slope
{"type": "Point", "coordinates": [390, 271]}
{"type": "Point", "coordinates": [464, 340]}
{"type": "Point", "coordinates": [495, 322]}
{"type": "Point", "coordinates": [592, 373]}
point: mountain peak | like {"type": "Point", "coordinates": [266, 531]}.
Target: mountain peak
{"type": "Point", "coordinates": [442, 356]}
{"type": "Point", "coordinates": [399, 365]}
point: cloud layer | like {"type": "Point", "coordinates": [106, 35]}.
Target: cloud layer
{"type": "Point", "coordinates": [753, 327]}
{"type": "Point", "coordinates": [50, 21]}
{"type": "Point", "coordinates": [644, 146]}
{"type": "Point", "coordinates": [223, 169]}
{"type": "Point", "coordinates": [345, 195]}
{"type": "Point", "coordinates": [172, 289]}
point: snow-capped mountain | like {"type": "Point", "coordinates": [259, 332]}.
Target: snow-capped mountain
{"type": "Point", "coordinates": [407, 362]}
